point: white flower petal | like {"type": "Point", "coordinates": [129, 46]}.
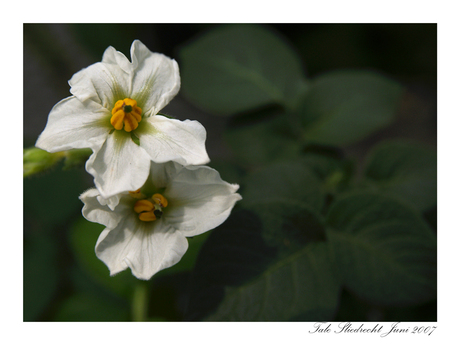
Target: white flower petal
{"type": "Point", "coordinates": [111, 202]}
{"type": "Point", "coordinates": [119, 166]}
{"type": "Point", "coordinates": [173, 140]}
{"type": "Point", "coordinates": [161, 173]}
{"type": "Point", "coordinates": [146, 248]}
{"type": "Point", "coordinates": [113, 57]}
{"type": "Point", "coordinates": [156, 78]}
{"type": "Point", "coordinates": [98, 212]}
{"type": "Point", "coordinates": [73, 125]}
{"type": "Point", "coordinates": [199, 200]}
{"type": "Point", "coordinates": [103, 82]}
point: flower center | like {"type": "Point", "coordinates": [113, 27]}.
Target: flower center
{"type": "Point", "coordinates": [127, 113]}
{"type": "Point", "coordinates": [151, 209]}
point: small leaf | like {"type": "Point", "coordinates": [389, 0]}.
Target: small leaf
{"type": "Point", "coordinates": [334, 171]}
{"type": "Point", "coordinates": [236, 68]}
{"type": "Point", "coordinates": [343, 107]}
{"type": "Point", "coordinates": [384, 250]}
{"type": "Point", "coordinates": [407, 170]}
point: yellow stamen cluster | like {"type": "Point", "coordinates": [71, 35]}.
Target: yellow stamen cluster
{"type": "Point", "coordinates": [150, 210]}
{"type": "Point", "coordinates": [127, 113]}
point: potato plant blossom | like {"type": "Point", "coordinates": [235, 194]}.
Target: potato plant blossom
{"type": "Point", "coordinates": [114, 111]}
{"type": "Point", "coordinates": [146, 229]}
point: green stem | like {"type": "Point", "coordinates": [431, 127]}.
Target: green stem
{"type": "Point", "coordinates": [140, 301]}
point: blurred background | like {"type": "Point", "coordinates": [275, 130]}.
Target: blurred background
{"type": "Point", "coordinates": [63, 279]}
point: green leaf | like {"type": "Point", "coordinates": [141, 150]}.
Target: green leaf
{"type": "Point", "coordinates": [406, 170]}
{"type": "Point", "coordinates": [384, 250]}
{"type": "Point", "coordinates": [302, 286]}
{"type": "Point", "coordinates": [283, 181]}
{"type": "Point", "coordinates": [236, 68]}
{"type": "Point", "coordinates": [343, 107]}
{"type": "Point", "coordinates": [243, 273]}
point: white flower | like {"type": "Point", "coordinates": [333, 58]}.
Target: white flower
{"type": "Point", "coordinates": [113, 111]}
{"type": "Point", "coordinates": [147, 229]}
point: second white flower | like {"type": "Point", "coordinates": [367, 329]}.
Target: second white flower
{"type": "Point", "coordinates": [146, 229]}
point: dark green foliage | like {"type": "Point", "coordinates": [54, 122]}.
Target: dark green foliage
{"type": "Point", "coordinates": [253, 65]}
{"type": "Point", "coordinates": [405, 169]}
{"type": "Point", "coordinates": [384, 250]}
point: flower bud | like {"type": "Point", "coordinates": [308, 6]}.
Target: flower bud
{"type": "Point", "coordinates": [36, 160]}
